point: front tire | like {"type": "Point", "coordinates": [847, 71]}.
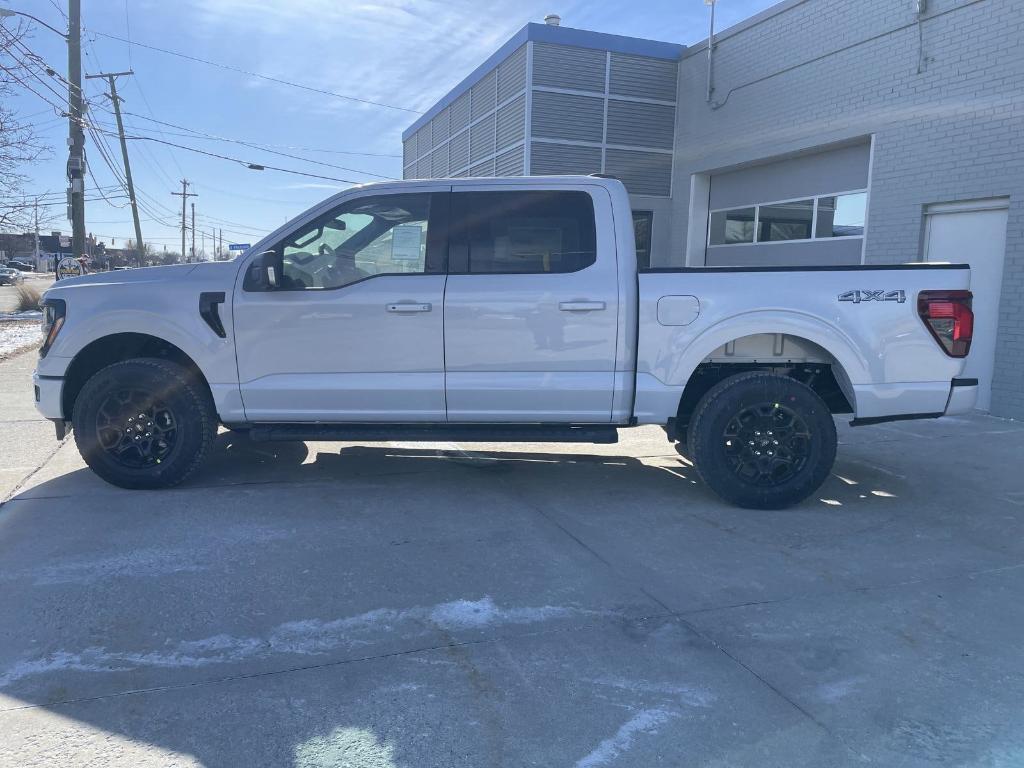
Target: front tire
{"type": "Point", "coordinates": [144, 423]}
{"type": "Point", "coordinates": [762, 441]}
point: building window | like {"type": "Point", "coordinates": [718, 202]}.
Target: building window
{"type": "Point", "coordinates": [841, 215]}
{"type": "Point", "coordinates": [785, 221]}
{"type": "Point", "coordinates": [819, 218]}
{"type": "Point", "coordinates": [643, 225]}
{"type": "Point", "coordinates": [732, 227]}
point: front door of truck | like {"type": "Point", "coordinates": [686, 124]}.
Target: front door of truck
{"type": "Point", "coordinates": [531, 306]}
{"type": "Point", "coordinates": [353, 330]}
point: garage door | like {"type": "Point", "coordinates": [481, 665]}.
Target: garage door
{"type": "Point", "coordinates": [798, 211]}
{"type": "Point", "coordinates": [974, 232]}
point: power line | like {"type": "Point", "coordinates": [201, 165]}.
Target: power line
{"type": "Point", "coordinates": [145, 101]}
{"type": "Point", "coordinates": [257, 145]}
{"type": "Point", "coordinates": [246, 163]}
{"type": "Point", "coordinates": [128, 33]}
{"type": "Point", "coordinates": [283, 154]}
{"type": "Point", "coordinates": [249, 73]}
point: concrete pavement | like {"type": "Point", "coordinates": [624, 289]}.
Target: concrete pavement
{"type": "Point", "coordinates": [492, 605]}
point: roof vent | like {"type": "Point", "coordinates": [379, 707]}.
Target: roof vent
{"type": "Point", "coordinates": [552, 19]}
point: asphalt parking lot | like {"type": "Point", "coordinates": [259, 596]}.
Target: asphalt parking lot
{"type": "Point", "coordinates": [488, 605]}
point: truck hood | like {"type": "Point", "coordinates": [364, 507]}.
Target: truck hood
{"type": "Point", "coordinates": [172, 272]}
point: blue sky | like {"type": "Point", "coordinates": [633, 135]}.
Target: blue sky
{"type": "Point", "coordinates": [405, 53]}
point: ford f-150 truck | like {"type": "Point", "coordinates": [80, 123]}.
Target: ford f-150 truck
{"type": "Point", "coordinates": [497, 310]}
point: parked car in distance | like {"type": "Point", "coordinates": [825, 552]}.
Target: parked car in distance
{"type": "Point", "coordinates": [21, 266]}
{"type": "Point", "coordinates": [497, 310]}
{"type": "Point", "coordinates": [10, 276]}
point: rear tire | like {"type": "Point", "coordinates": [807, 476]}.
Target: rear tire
{"type": "Point", "coordinates": [762, 441]}
{"type": "Point", "coordinates": [144, 423]}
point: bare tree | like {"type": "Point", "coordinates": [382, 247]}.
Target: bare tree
{"type": "Point", "coordinates": [138, 258]}
{"type": "Point", "coordinates": [20, 145]}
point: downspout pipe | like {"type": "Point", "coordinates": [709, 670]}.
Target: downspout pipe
{"type": "Point", "coordinates": [711, 49]}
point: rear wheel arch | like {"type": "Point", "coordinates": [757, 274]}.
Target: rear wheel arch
{"type": "Point", "coordinates": [786, 354]}
{"type": "Point", "coordinates": [118, 347]}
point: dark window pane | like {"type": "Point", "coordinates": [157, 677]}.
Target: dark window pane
{"type": "Point", "coordinates": [643, 222]}
{"type": "Point", "coordinates": [524, 232]}
{"type": "Point", "coordinates": [730, 227]}
{"type": "Point", "coordinates": [785, 221]}
{"type": "Point", "coordinates": [842, 215]}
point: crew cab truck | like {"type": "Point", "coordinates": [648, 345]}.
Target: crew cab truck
{"type": "Point", "coordinates": [497, 310]}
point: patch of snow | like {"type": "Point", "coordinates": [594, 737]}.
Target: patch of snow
{"type": "Point", "coordinates": [146, 562]}
{"type": "Point", "coordinates": [28, 314]}
{"type": "Point", "coordinates": [307, 637]}
{"type": "Point", "coordinates": [833, 692]}
{"type": "Point", "coordinates": [644, 721]}
{"type": "Point", "coordinates": [684, 694]}
{"type": "Point", "coordinates": [464, 614]}
{"type": "Point", "coordinates": [17, 336]}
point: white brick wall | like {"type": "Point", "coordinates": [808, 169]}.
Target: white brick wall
{"type": "Point", "coordinates": [832, 70]}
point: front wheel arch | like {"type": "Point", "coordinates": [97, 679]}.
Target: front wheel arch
{"type": "Point", "coordinates": [115, 348]}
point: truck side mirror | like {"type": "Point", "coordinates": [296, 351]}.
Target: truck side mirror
{"type": "Point", "coordinates": [264, 273]}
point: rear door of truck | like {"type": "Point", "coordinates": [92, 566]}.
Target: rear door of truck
{"type": "Point", "coordinates": [531, 310]}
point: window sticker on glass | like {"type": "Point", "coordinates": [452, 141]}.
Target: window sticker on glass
{"type": "Point", "coordinates": [405, 242]}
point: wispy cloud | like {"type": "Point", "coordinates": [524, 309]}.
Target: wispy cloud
{"type": "Point", "coordinates": [402, 52]}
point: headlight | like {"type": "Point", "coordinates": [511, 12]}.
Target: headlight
{"type": "Point", "coordinates": [54, 312]}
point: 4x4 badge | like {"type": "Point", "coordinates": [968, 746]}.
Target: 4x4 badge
{"type": "Point", "coordinates": [859, 296]}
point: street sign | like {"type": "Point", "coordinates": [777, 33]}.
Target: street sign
{"type": "Point", "coordinates": [69, 267]}
{"type": "Point", "coordinates": [239, 246]}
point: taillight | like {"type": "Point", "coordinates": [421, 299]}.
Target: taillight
{"type": "Point", "coordinates": [948, 315]}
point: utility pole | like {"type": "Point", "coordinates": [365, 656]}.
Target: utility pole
{"type": "Point", "coordinates": [35, 254]}
{"type": "Point", "coordinates": [76, 135]}
{"type": "Point", "coordinates": [185, 194]}
{"type": "Point", "coordinates": [192, 256]}
{"type": "Point", "coordinates": [110, 77]}
{"type": "Point", "coordinates": [220, 242]}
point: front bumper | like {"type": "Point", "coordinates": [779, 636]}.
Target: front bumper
{"type": "Point", "coordinates": [49, 395]}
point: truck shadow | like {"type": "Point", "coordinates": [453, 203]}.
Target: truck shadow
{"type": "Point", "coordinates": [236, 460]}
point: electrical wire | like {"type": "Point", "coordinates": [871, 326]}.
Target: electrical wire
{"type": "Point", "coordinates": [257, 145]}
{"type": "Point", "coordinates": [245, 163]}
{"type": "Point", "coordinates": [300, 158]}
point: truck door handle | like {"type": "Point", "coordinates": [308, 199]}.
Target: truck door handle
{"type": "Point", "coordinates": [580, 306]}
{"type": "Point", "coordinates": [408, 308]}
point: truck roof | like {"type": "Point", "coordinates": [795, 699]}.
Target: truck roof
{"type": "Point", "coordinates": [497, 181]}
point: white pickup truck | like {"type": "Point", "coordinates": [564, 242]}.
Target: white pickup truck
{"type": "Point", "coordinates": [497, 310]}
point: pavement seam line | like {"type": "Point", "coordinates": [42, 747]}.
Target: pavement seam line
{"type": "Point", "coordinates": [861, 589]}
{"type": "Point", "coordinates": [33, 473]}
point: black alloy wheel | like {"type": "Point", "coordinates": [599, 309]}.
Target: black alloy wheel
{"type": "Point", "coordinates": [762, 440]}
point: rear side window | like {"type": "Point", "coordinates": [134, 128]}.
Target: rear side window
{"type": "Point", "coordinates": [534, 232]}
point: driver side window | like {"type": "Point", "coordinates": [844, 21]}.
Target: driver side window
{"type": "Point", "coordinates": [367, 236]}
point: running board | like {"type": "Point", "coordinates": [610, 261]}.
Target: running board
{"type": "Point", "coordinates": [465, 433]}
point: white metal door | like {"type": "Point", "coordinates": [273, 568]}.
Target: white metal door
{"type": "Point", "coordinates": [974, 232]}
{"type": "Point", "coordinates": [533, 347]}
{"type": "Point", "coordinates": [355, 331]}
{"type": "Point", "coordinates": [372, 351]}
